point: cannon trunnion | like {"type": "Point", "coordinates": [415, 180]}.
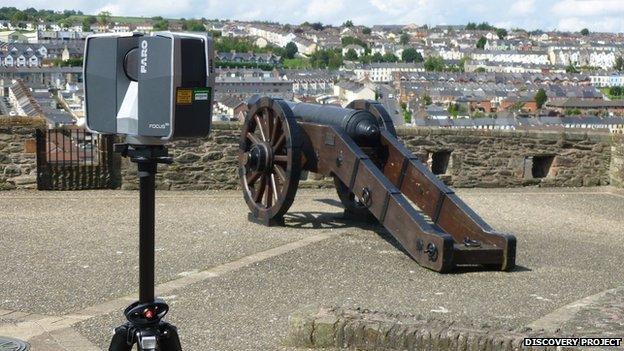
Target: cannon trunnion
{"type": "Point", "coordinates": [374, 174]}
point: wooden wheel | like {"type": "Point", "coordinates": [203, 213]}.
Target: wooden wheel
{"type": "Point", "coordinates": [269, 160]}
{"type": "Point", "coordinates": [353, 205]}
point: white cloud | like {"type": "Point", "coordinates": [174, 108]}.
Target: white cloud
{"type": "Point", "coordinates": [522, 7]}
{"type": "Point", "coordinates": [606, 24]}
{"type": "Point", "coordinates": [583, 8]}
{"type": "Point", "coordinates": [597, 15]}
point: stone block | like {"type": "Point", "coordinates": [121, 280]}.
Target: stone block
{"type": "Point", "coordinates": [12, 170]}
{"type": "Point", "coordinates": [187, 158]}
{"type": "Point", "coordinates": [24, 180]}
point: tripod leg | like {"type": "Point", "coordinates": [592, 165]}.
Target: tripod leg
{"type": "Point", "coordinates": [120, 339]}
{"type": "Point", "coordinates": [169, 339]}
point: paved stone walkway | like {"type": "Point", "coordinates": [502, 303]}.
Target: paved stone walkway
{"type": "Point", "coordinates": [70, 266]}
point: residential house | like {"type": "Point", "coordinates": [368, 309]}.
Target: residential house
{"type": "Point", "coordinates": [360, 51]}
{"type": "Point", "coordinates": [607, 79]}
{"type": "Point", "coordinates": [349, 91]}
{"type": "Point", "coordinates": [384, 71]}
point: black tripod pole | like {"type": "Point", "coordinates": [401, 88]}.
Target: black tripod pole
{"type": "Point", "coordinates": [147, 203]}
{"type": "Point", "coordinates": [145, 326]}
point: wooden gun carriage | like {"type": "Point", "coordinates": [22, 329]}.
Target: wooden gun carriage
{"type": "Point", "coordinates": [374, 174]}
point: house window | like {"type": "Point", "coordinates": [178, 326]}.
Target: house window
{"type": "Point", "coordinates": [440, 161]}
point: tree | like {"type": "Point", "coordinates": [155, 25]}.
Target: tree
{"type": "Point", "coordinates": [404, 39]}
{"type": "Point", "coordinates": [485, 26]}
{"type": "Point", "coordinates": [161, 25]}
{"type": "Point", "coordinates": [317, 26]}
{"type": "Point", "coordinates": [619, 64]}
{"type": "Point", "coordinates": [87, 22]}
{"type": "Point", "coordinates": [501, 33]}
{"type": "Point", "coordinates": [571, 69]}
{"type": "Point", "coordinates": [377, 57]}
{"type": "Point", "coordinates": [540, 98]}
{"type": "Point", "coordinates": [291, 50]}
{"type": "Point", "coordinates": [585, 32]}
{"type": "Point", "coordinates": [66, 23]}
{"type": "Point", "coordinates": [194, 26]}
{"type": "Point", "coordinates": [348, 24]}
{"type": "Point", "coordinates": [411, 55]}
{"type": "Point", "coordinates": [349, 40]}
{"type": "Point", "coordinates": [326, 59]}
{"type": "Point", "coordinates": [616, 91]}
{"type": "Point", "coordinates": [481, 43]}
{"type": "Point", "coordinates": [18, 16]}
{"type": "Point", "coordinates": [104, 17]}
{"type": "Point", "coordinates": [366, 31]}
{"type": "Point", "coordinates": [351, 55]}
{"type": "Point", "coordinates": [390, 57]}
{"type": "Point", "coordinates": [471, 26]}
{"type": "Point", "coordinates": [426, 100]}
{"type": "Point", "coordinates": [434, 63]}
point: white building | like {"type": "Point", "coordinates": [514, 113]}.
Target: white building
{"type": "Point", "coordinates": [592, 56]}
{"type": "Point", "coordinates": [273, 35]}
{"type": "Point", "coordinates": [383, 71]}
{"type": "Point", "coordinates": [358, 49]}
{"type": "Point", "coordinates": [521, 57]}
{"type": "Point", "coordinates": [349, 91]}
{"type": "Point", "coordinates": [607, 80]}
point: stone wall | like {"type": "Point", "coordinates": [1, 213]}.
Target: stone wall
{"type": "Point", "coordinates": [481, 158]}
{"type": "Point", "coordinates": [18, 153]}
{"type": "Point", "coordinates": [464, 158]}
{"type": "Point", "coordinates": [201, 163]}
{"type": "Point", "coordinates": [616, 170]}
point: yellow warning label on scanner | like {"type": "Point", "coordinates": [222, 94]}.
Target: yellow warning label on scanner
{"type": "Point", "coordinates": [184, 96]}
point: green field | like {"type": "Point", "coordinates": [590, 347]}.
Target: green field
{"type": "Point", "coordinates": [297, 63]}
{"type": "Point", "coordinates": [607, 92]}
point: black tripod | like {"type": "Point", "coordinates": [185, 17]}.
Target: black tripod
{"type": "Point", "coordinates": [145, 326]}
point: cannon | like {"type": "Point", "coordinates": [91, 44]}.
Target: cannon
{"type": "Point", "coordinates": [374, 175]}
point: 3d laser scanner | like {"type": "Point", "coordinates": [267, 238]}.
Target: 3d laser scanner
{"type": "Point", "coordinates": [149, 89]}
{"type": "Point", "coordinates": [158, 86]}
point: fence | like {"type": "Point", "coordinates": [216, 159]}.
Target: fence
{"type": "Point", "coordinates": [74, 159]}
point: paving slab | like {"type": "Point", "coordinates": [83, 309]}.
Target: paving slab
{"type": "Point", "coordinates": [569, 247]}
{"type": "Point", "coordinates": [232, 285]}
{"type": "Point", "coordinates": [69, 250]}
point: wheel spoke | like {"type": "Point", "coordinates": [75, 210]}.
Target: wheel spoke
{"type": "Point", "coordinates": [252, 177]}
{"type": "Point", "coordinates": [267, 195]}
{"type": "Point", "coordinates": [258, 194]}
{"type": "Point", "coordinates": [260, 127]}
{"type": "Point", "coordinates": [279, 142]}
{"type": "Point", "coordinates": [281, 174]}
{"type": "Point", "coordinates": [280, 158]}
{"type": "Point", "coordinates": [254, 139]}
{"type": "Point", "coordinates": [266, 123]}
{"type": "Point", "coordinates": [274, 187]}
{"type": "Point", "coordinates": [274, 128]}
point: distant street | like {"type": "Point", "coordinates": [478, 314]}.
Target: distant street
{"type": "Point", "coordinates": [388, 98]}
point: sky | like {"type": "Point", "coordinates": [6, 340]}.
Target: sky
{"type": "Point", "coordinates": [564, 15]}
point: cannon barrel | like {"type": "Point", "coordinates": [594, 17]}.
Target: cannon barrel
{"type": "Point", "coordinates": [359, 125]}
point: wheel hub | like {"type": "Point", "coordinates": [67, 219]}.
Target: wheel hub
{"type": "Point", "coordinates": [259, 158]}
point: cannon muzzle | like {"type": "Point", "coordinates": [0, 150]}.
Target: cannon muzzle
{"type": "Point", "coordinates": [360, 125]}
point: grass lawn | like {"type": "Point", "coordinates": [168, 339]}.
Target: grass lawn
{"type": "Point", "coordinates": [297, 63]}
{"type": "Point", "coordinates": [608, 94]}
